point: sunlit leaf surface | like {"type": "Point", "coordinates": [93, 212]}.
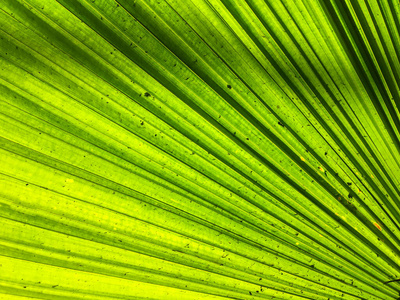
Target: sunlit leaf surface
{"type": "Point", "coordinates": [199, 149]}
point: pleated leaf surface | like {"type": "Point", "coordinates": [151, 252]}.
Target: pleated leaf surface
{"type": "Point", "coordinates": [199, 149]}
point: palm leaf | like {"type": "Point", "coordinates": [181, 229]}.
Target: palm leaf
{"type": "Point", "coordinates": [199, 149]}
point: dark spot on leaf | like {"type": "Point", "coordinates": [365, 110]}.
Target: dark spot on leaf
{"type": "Point", "coordinates": [229, 86]}
{"type": "Point", "coordinates": [147, 94]}
{"type": "Point", "coordinates": [281, 124]}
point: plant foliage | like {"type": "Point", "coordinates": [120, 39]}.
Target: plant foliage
{"type": "Point", "coordinates": [199, 149]}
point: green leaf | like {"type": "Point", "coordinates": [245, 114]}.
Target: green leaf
{"type": "Point", "coordinates": [199, 149]}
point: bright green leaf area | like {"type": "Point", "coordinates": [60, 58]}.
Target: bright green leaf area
{"type": "Point", "coordinates": [199, 149]}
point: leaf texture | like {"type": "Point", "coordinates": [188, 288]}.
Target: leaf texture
{"type": "Point", "coordinates": [199, 149]}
